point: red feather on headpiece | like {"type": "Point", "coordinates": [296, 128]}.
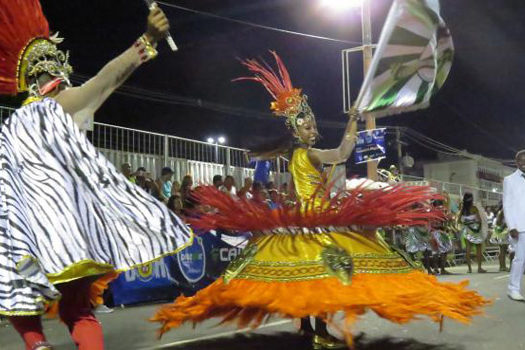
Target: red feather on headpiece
{"type": "Point", "coordinates": [21, 21]}
{"type": "Point", "coordinates": [278, 85]}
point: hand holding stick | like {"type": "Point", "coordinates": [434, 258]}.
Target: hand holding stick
{"type": "Point", "coordinates": [158, 25]}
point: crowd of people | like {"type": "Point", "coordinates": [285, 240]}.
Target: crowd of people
{"type": "Point", "coordinates": [470, 228]}
{"type": "Point", "coordinates": [177, 195]}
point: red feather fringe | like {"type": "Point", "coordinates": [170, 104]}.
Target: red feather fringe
{"type": "Point", "coordinates": [397, 205]}
{"type": "Point", "coordinates": [20, 22]}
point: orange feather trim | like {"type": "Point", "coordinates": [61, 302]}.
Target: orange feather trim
{"type": "Point", "coordinates": [95, 293]}
{"type": "Point", "coordinates": [399, 298]}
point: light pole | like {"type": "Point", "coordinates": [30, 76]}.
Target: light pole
{"type": "Point", "coordinates": [366, 48]}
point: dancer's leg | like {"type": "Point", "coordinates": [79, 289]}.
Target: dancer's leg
{"type": "Point", "coordinates": [467, 256]}
{"type": "Point", "coordinates": [30, 329]}
{"type": "Point", "coordinates": [502, 256]}
{"type": "Point", "coordinates": [479, 257]}
{"type": "Point", "coordinates": [76, 312]}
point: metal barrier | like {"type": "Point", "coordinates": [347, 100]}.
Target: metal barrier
{"type": "Point", "coordinates": [487, 198]}
{"type": "Point", "coordinates": [204, 160]}
{"type": "Point", "coordinates": [185, 156]}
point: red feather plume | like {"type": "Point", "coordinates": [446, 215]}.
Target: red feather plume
{"type": "Point", "coordinates": [279, 85]}
{"type": "Point", "coordinates": [264, 74]}
{"type": "Point", "coordinates": [397, 205]}
{"type": "Point", "coordinates": [20, 22]}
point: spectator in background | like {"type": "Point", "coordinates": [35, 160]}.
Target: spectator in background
{"type": "Point", "coordinates": [270, 186]}
{"type": "Point", "coordinates": [143, 180]}
{"type": "Point", "coordinates": [164, 184]}
{"type": "Point", "coordinates": [275, 199]}
{"type": "Point", "coordinates": [258, 192]}
{"type": "Point", "coordinates": [185, 190]}
{"type": "Point", "coordinates": [125, 169]}
{"type": "Point", "coordinates": [175, 188]}
{"type": "Point", "coordinates": [229, 185]}
{"type": "Point", "coordinates": [217, 181]}
{"type": "Point", "coordinates": [244, 192]}
{"type": "Point", "coordinates": [175, 204]}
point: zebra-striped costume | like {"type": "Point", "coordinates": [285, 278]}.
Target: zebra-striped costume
{"type": "Point", "coordinates": [66, 213]}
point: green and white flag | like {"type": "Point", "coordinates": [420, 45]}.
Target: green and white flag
{"type": "Point", "coordinates": [411, 62]}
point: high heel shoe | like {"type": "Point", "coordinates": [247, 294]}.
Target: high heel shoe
{"type": "Point", "coordinates": [326, 343]}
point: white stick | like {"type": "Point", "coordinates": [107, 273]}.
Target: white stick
{"type": "Point", "coordinates": [169, 39]}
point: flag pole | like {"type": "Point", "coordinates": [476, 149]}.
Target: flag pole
{"type": "Point", "coordinates": [366, 30]}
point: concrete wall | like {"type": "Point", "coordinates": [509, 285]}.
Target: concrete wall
{"type": "Point", "coordinates": [461, 171]}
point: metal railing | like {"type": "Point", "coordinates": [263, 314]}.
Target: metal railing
{"type": "Point", "coordinates": [185, 156]}
{"type": "Point", "coordinates": [487, 197]}
{"type": "Point", "coordinates": [203, 160]}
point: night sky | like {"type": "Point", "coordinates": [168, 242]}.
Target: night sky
{"type": "Point", "coordinates": [480, 108]}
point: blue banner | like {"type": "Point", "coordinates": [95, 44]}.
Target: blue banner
{"type": "Point", "coordinates": [147, 283]}
{"type": "Point", "coordinates": [370, 145]}
{"type": "Point", "coordinates": [262, 171]}
{"type": "Point", "coordinates": [186, 272]}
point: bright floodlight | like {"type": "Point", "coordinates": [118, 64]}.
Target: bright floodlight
{"type": "Point", "coordinates": [222, 140]}
{"type": "Point", "coordinates": [210, 140]}
{"type": "Point", "coordinates": [342, 4]}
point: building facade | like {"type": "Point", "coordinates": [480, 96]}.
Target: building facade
{"type": "Point", "coordinates": [479, 175]}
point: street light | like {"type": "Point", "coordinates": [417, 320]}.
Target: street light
{"type": "Point", "coordinates": [219, 140]}
{"type": "Point", "coordinates": [341, 5]}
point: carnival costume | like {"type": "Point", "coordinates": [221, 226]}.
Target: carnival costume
{"type": "Point", "coordinates": [474, 226]}
{"type": "Point", "coordinates": [66, 213]}
{"type": "Point", "coordinates": [417, 239]}
{"type": "Point", "coordinates": [500, 232]}
{"type": "Point", "coordinates": [311, 259]}
{"type": "Point", "coordinates": [442, 242]}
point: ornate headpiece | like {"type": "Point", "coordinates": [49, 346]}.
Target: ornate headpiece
{"type": "Point", "coordinates": [288, 102]}
{"type": "Point", "coordinates": [27, 50]}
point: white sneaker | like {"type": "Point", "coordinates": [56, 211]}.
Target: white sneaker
{"type": "Point", "coordinates": [103, 309]}
{"type": "Point", "coordinates": [515, 296]}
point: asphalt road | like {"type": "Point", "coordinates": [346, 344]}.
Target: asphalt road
{"type": "Point", "coordinates": [502, 327]}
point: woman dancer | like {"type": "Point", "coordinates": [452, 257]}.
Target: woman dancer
{"type": "Point", "coordinates": [500, 237]}
{"type": "Point", "coordinates": [68, 219]}
{"type": "Point", "coordinates": [321, 256]}
{"type": "Point", "coordinates": [474, 229]}
{"type": "Point", "coordinates": [417, 240]}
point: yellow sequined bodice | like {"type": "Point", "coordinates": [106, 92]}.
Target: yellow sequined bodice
{"type": "Point", "coordinates": [305, 176]}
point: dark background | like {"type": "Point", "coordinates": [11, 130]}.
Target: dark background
{"type": "Point", "coordinates": [479, 109]}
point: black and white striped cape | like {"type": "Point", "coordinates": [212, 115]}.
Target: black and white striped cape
{"type": "Point", "coordinates": [64, 206]}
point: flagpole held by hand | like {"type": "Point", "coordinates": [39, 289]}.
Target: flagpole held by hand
{"type": "Point", "coordinates": [169, 39]}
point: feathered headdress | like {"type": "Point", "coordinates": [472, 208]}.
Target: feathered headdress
{"type": "Point", "coordinates": [289, 102]}
{"type": "Point", "coordinates": [27, 50]}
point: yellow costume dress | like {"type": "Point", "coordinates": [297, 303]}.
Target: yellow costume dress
{"type": "Point", "coordinates": [317, 271]}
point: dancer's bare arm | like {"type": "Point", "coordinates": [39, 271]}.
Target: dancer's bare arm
{"type": "Point", "coordinates": [341, 153]}
{"type": "Point", "coordinates": [82, 101]}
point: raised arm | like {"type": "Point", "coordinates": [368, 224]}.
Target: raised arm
{"type": "Point", "coordinates": [82, 101]}
{"type": "Point", "coordinates": [341, 153]}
